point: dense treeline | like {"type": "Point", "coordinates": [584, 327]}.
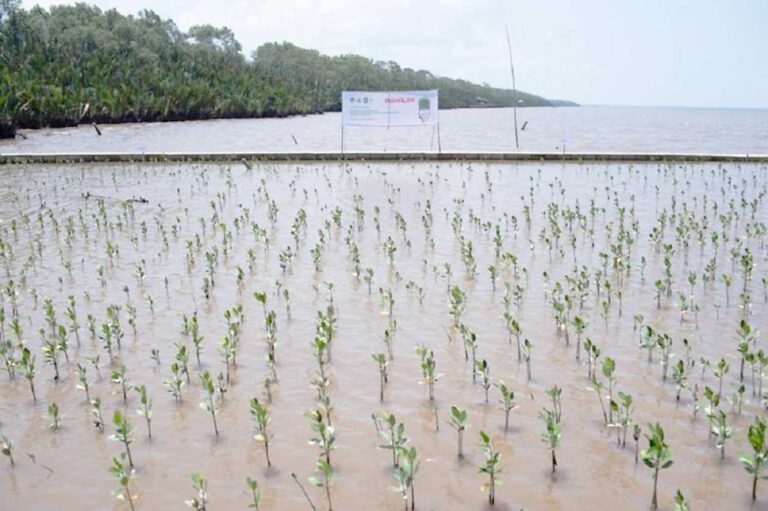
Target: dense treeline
{"type": "Point", "coordinates": [76, 64]}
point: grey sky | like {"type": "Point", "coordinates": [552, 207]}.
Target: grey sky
{"type": "Point", "coordinates": [624, 52]}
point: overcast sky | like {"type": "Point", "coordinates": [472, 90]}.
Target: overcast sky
{"type": "Point", "coordinates": [711, 53]}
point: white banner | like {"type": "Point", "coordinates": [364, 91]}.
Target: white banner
{"type": "Point", "coordinates": [399, 108]}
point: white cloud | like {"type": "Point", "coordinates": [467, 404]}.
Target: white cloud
{"type": "Point", "coordinates": [596, 51]}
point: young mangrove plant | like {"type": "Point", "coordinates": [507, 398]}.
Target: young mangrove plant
{"type": "Point", "coordinates": [27, 363]}
{"type": "Point", "coordinates": [123, 433]}
{"type": "Point", "coordinates": [657, 457]}
{"type": "Point", "coordinates": [579, 325]}
{"type": "Point", "coordinates": [96, 418]}
{"type": "Point", "coordinates": [118, 378]}
{"type": "Point", "coordinates": [623, 411]}
{"type": "Point", "coordinates": [82, 376]}
{"type": "Point", "coordinates": [513, 328]}
{"type": "Point", "coordinates": [383, 363]}
{"type": "Point", "coordinates": [405, 473]}
{"type": "Point", "coordinates": [326, 437]}
{"type": "Point", "coordinates": [145, 410]}
{"type": "Point", "coordinates": [176, 383]}
{"type": "Point", "coordinates": [679, 377]}
{"type": "Point", "coordinates": [261, 422]}
{"type": "Point", "coordinates": [325, 480]}
{"type": "Point", "coordinates": [51, 350]}
{"type": "Point", "coordinates": [124, 476]}
{"type": "Point", "coordinates": [551, 434]}
{"type": "Point", "coordinates": [458, 421]}
{"type": "Point", "coordinates": [491, 466]}
{"type": "Point", "coordinates": [208, 403]}
{"type": "Point", "coordinates": [507, 402]}
{"type": "Point", "coordinates": [429, 374]}
{"type": "Point", "coordinates": [53, 415]}
{"type": "Point", "coordinates": [527, 347]}
{"type": "Point", "coordinates": [721, 431]}
{"type": "Point", "coordinates": [200, 500]}
{"type": "Point", "coordinates": [6, 446]}
{"type": "Point", "coordinates": [664, 343]}
{"type": "Point", "coordinates": [680, 503]}
{"type": "Point", "coordinates": [457, 302]}
{"type": "Point", "coordinates": [556, 394]}
{"type": "Point", "coordinates": [753, 463]}
{"type": "Point", "coordinates": [484, 371]}
{"type": "Point", "coordinates": [721, 369]}
{"type": "Point", "coordinates": [393, 434]}
{"type": "Point", "coordinates": [254, 492]}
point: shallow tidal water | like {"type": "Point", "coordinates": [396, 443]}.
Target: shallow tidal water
{"type": "Point", "coordinates": [572, 129]}
{"type": "Point", "coordinates": [187, 203]}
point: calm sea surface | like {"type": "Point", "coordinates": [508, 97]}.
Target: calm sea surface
{"type": "Point", "coordinates": [608, 129]}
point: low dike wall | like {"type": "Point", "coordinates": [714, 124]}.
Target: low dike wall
{"type": "Point", "coordinates": [68, 158]}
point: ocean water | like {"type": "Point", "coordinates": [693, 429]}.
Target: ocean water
{"type": "Point", "coordinates": [582, 129]}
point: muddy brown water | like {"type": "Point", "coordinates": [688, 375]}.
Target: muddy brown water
{"type": "Point", "coordinates": [593, 472]}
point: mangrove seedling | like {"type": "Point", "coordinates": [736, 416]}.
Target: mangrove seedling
{"type": "Point", "coordinates": [208, 403]}
{"type": "Point", "coordinates": [83, 377]}
{"type": "Point", "coordinates": [261, 420]}
{"type": "Point", "coordinates": [485, 372]}
{"type": "Point", "coordinates": [579, 325]}
{"type": "Point", "coordinates": [27, 363]}
{"type": "Point", "coordinates": [199, 501]}
{"type": "Point", "coordinates": [721, 369]}
{"type": "Point", "coordinates": [326, 472]}
{"type": "Point", "coordinates": [657, 457]}
{"type": "Point", "coordinates": [624, 412]}
{"type": "Point", "coordinates": [491, 466]}
{"type": "Point", "coordinates": [303, 490]}
{"type": "Point", "coordinates": [326, 437]}
{"type": "Point", "coordinates": [145, 410]}
{"type": "Point", "coordinates": [753, 463]}
{"type": "Point", "coordinates": [123, 433]}
{"type": "Point", "coordinates": [593, 355]}
{"type": "Point", "coordinates": [124, 476]}
{"type": "Point", "coordinates": [7, 449]}
{"type": "Point", "coordinates": [96, 418]}
{"type": "Point", "coordinates": [51, 355]}
{"type": "Point", "coordinates": [609, 366]}
{"type": "Point", "coordinates": [598, 387]}
{"type": "Point", "coordinates": [458, 421]}
{"type": "Point", "coordinates": [382, 362]}
{"type": "Point", "coordinates": [405, 473]}
{"type": "Point", "coordinates": [556, 394]}
{"type": "Point", "coordinates": [118, 378]}
{"type": "Point", "coordinates": [175, 384]}
{"type": "Point", "coordinates": [527, 347]}
{"type": "Point", "coordinates": [255, 493]}
{"type": "Point", "coordinates": [721, 431]}
{"type": "Point", "coordinates": [513, 327]}
{"type": "Point", "coordinates": [429, 376]}
{"type": "Point", "coordinates": [393, 433]}
{"type": "Point", "coordinates": [551, 434]}
{"type": "Point", "coordinates": [507, 402]}
{"type": "Point", "coordinates": [457, 302]}
{"type": "Point", "coordinates": [53, 415]}
{"type": "Point", "coordinates": [679, 377]}
{"type": "Point", "coordinates": [664, 343]}
{"type": "Point", "coordinates": [680, 503]}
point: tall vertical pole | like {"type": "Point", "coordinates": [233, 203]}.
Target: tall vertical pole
{"type": "Point", "coordinates": [514, 88]}
{"type": "Point", "coordinates": [439, 145]}
{"type": "Point", "coordinates": [342, 134]}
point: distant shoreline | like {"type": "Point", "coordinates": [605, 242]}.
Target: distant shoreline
{"type": "Point", "coordinates": [113, 122]}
